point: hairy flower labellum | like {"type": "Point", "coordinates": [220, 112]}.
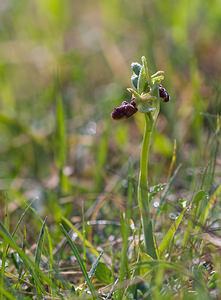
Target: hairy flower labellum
{"type": "Point", "coordinates": [124, 111]}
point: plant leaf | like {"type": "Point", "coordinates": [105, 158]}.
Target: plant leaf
{"type": "Point", "coordinates": [103, 273]}
{"type": "Point", "coordinates": [94, 266]}
{"type": "Point", "coordinates": [77, 255]}
{"type": "Point", "coordinates": [39, 245]}
{"type": "Point", "coordinates": [170, 234]}
{"type": "Point", "coordinates": [88, 244]}
{"type": "Point", "coordinates": [27, 261]}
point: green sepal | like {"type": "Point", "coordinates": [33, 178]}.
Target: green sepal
{"type": "Point", "coordinates": [158, 79]}
{"type": "Point", "coordinates": [144, 108]}
{"type": "Point", "coordinates": [157, 74]}
{"type": "Point", "coordinates": [146, 103]}
{"type": "Point", "coordinates": [134, 92]}
{"type": "Point", "coordinates": [155, 90]}
{"type": "Point", "coordinates": [144, 79]}
{"type": "Point", "coordinates": [136, 68]}
{"type": "Point", "coordinates": [134, 80]}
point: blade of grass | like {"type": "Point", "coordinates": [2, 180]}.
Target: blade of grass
{"type": "Point", "coordinates": [102, 151]}
{"type": "Point", "coordinates": [84, 236]}
{"type": "Point", "coordinates": [155, 263]}
{"type": "Point", "coordinates": [27, 261]}
{"type": "Point", "coordinates": [94, 266]}
{"type": "Point", "coordinates": [47, 231]}
{"type": "Point", "coordinates": [5, 243]}
{"type": "Point", "coordinates": [21, 262]}
{"type": "Point", "coordinates": [125, 229]}
{"type": "Point", "coordinates": [20, 220]}
{"type": "Point", "coordinates": [77, 255]}
{"type": "Point", "coordinates": [6, 294]}
{"type": "Point", "coordinates": [173, 160]}
{"type": "Point", "coordinates": [170, 234]}
{"type": "Point", "coordinates": [88, 244]}
{"type": "Point", "coordinates": [61, 143]}
{"type": "Point", "coordinates": [30, 265]}
{"type": "Point", "coordinates": [167, 189]}
{"type": "Point", "coordinates": [14, 122]}
{"type": "Point", "coordinates": [50, 248]}
{"type": "Point", "coordinates": [194, 208]}
{"type": "Point", "coordinates": [61, 132]}
{"type": "Point", "coordinates": [209, 205]}
{"type": "Point", "coordinates": [39, 245]}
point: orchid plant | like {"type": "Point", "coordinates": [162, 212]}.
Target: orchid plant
{"type": "Point", "coordinates": [146, 97]}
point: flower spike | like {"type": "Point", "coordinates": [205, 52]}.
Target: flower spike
{"type": "Point", "coordinates": [146, 99]}
{"type": "Point", "coordinates": [147, 94]}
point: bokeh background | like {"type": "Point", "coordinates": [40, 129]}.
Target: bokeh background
{"type": "Point", "coordinates": [64, 66]}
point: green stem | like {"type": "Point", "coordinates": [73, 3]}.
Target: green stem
{"type": "Point", "coordinates": [145, 150]}
{"type": "Point", "coordinates": [143, 196]}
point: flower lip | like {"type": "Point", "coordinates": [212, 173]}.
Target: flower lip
{"type": "Point", "coordinates": [124, 111]}
{"type": "Point", "coordinates": [163, 94]}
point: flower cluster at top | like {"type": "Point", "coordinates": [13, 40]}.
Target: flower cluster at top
{"type": "Point", "coordinates": [147, 94]}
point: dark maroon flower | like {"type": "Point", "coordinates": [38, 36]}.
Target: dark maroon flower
{"type": "Point", "coordinates": [163, 94]}
{"type": "Point", "coordinates": [124, 111]}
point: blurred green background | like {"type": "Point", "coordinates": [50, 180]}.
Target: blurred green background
{"type": "Point", "coordinates": [64, 66]}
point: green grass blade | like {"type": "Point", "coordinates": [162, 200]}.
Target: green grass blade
{"type": "Point", "coordinates": [84, 236]}
{"type": "Point", "coordinates": [170, 234]}
{"type": "Point", "coordinates": [61, 143]}
{"type": "Point", "coordinates": [29, 264]}
{"type": "Point", "coordinates": [20, 220]}
{"type": "Point", "coordinates": [48, 236]}
{"type": "Point", "coordinates": [173, 160]}
{"type": "Point", "coordinates": [27, 261]}
{"type": "Point", "coordinates": [6, 294]}
{"type": "Point", "coordinates": [167, 189]}
{"type": "Point", "coordinates": [194, 214]}
{"type": "Point", "coordinates": [197, 203]}
{"type": "Point", "coordinates": [80, 235]}
{"type": "Point", "coordinates": [50, 248]}
{"type": "Point", "coordinates": [77, 255]}
{"type": "Point", "coordinates": [39, 247]}
{"type": "Point", "coordinates": [94, 266]}
{"type": "Point", "coordinates": [15, 123]}
{"type": "Point", "coordinates": [61, 133]}
{"type": "Point", "coordinates": [102, 152]}
{"type": "Point", "coordinates": [40, 244]}
{"type": "Point", "coordinates": [210, 204]}
{"type": "Point", "coordinates": [155, 263]}
{"type": "Point", "coordinates": [125, 229]}
{"type": "Point", "coordinates": [5, 243]}
{"type": "Point", "coordinates": [20, 271]}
